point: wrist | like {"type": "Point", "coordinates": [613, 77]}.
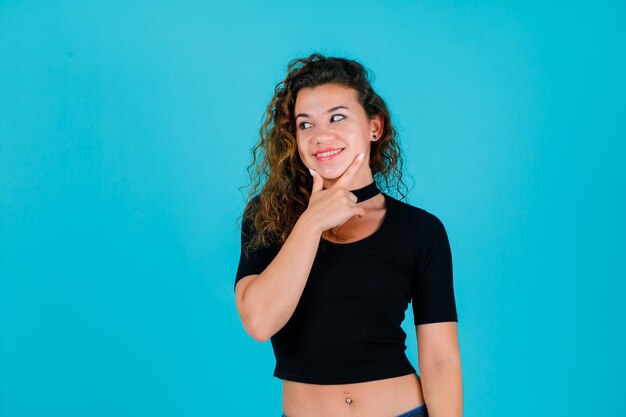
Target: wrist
{"type": "Point", "coordinates": [309, 224]}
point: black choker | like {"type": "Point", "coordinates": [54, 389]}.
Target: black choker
{"type": "Point", "coordinates": [367, 192]}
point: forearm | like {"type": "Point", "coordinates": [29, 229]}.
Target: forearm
{"type": "Point", "coordinates": [271, 299]}
{"type": "Point", "coordinates": [443, 389]}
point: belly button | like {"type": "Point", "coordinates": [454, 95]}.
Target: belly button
{"type": "Point", "coordinates": [348, 400]}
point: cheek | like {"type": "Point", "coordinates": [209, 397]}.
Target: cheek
{"type": "Point", "coordinates": [301, 150]}
{"type": "Point", "coordinates": [352, 129]}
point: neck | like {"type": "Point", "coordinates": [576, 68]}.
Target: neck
{"type": "Point", "coordinates": [367, 192]}
{"type": "Point", "coordinates": [355, 184]}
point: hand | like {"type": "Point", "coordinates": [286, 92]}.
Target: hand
{"type": "Point", "coordinates": [335, 205]}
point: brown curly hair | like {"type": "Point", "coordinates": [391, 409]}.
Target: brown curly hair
{"type": "Point", "coordinates": [285, 193]}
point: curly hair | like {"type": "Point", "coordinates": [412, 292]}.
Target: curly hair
{"type": "Point", "coordinates": [274, 210]}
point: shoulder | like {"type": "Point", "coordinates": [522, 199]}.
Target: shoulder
{"type": "Point", "coordinates": [415, 226]}
{"type": "Point", "coordinates": [253, 202]}
{"type": "Point", "coordinates": [411, 214]}
{"type": "Point", "coordinates": [247, 224]}
{"type": "Point", "coordinates": [250, 207]}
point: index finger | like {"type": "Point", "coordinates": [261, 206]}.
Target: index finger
{"type": "Point", "coordinates": [347, 176]}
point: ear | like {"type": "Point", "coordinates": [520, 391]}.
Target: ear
{"type": "Point", "coordinates": [377, 124]}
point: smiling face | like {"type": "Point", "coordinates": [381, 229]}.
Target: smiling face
{"type": "Point", "coordinates": [329, 117]}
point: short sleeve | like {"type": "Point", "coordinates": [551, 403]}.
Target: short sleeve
{"type": "Point", "coordinates": [257, 260]}
{"type": "Point", "coordinates": [432, 287]}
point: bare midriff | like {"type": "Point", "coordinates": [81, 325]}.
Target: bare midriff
{"type": "Point", "coordinates": [380, 398]}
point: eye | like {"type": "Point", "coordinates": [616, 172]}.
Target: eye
{"type": "Point", "coordinates": [301, 125]}
{"type": "Point", "coordinates": [340, 115]}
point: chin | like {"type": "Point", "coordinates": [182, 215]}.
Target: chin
{"type": "Point", "coordinates": [331, 177]}
{"type": "Point", "coordinates": [331, 174]}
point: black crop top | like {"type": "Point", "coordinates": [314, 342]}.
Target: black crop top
{"type": "Point", "coordinates": [346, 327]}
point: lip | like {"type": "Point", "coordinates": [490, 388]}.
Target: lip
{"type": "Point", "coordinates": [327, 158]}
{"type": "Point", "coordinates": [325, 150]}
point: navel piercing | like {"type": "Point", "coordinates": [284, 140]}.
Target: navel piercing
{"type": "Point", "coordinates": [348, 400]}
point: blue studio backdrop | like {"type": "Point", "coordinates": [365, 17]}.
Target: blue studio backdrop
{"type": "Point", "coordinates": [125, 133]}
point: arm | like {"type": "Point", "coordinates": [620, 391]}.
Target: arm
{"type": "Point", "coordinates": [267, 301]}
{"type": "Point", "coordinates": [439, 362]}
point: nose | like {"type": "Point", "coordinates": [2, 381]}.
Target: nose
{"type": "Point", "coordinates": [324, 135]}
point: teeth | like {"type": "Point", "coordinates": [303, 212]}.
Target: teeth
{"type": "Point", "coordinates": [329, 153]}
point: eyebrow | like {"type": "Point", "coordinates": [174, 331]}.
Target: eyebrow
{"type": "Point", "coordinates": [329, 110]}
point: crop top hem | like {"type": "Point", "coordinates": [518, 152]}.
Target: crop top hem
{"type": "Point", "coordinates": [352, 379]}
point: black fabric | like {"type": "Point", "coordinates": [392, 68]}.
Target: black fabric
{"type": "Point", "coordinates": [347, 325]}
{"type": "Point", "coordinates": [366, 192]}
{"type": "Point", "coordinates": [257, 260]}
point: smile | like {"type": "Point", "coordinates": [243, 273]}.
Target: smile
{"type": "Point", "coordinates": [325, 156]}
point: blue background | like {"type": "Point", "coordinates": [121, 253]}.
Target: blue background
{"type": "Point", "coordinates": [125, 132]}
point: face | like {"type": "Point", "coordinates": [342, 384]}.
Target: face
{"type": "Point", "coordinates": [329, 117]}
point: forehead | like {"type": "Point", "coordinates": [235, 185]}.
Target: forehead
{"type": "Point", "coordinates": [322, 97]}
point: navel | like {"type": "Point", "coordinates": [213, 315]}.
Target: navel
{"type": "Point", "coordinates": [348, 399]}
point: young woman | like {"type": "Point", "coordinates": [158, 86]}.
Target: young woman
{"type": "Point", "coordinates": [329, 263]}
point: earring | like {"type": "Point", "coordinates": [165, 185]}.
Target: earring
{"type": "Point", "coordinates": [374, 136]}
